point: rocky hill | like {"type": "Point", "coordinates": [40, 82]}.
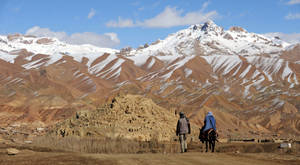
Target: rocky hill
{"type": "Point", "coordinates": [251, 82]}
{"type": "Point", "coordinates": [127, 117]}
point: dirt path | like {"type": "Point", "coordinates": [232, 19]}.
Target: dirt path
{"type": "Point", "coordinates": [27, 157]}
{"type": "Point", "coordinates": [199, 158]}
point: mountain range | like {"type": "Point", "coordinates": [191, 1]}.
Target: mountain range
{"type": "Point", "coordinates": [249, 81]}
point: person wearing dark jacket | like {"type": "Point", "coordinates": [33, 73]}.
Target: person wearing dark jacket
{"type": "Point", "coordinates": [183, 128]}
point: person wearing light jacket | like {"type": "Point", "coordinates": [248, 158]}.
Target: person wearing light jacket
{"type": "Point", "coordinates": [183, 128]}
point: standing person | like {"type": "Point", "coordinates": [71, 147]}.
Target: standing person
{"type": "Point", "coordinates": [183, 128]}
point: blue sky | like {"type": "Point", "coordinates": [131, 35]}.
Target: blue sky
{"type": "Point", "coordinates": [132, 22]}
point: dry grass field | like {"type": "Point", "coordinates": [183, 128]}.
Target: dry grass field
{"type": "Point", "coordinates": [123, 153]}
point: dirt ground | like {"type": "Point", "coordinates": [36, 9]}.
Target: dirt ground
{"type": "Point", "coordinates": [45, 158]}
{"type": "Point", "coordinates": [31, 156]}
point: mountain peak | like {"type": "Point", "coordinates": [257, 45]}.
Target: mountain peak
{"type": "Point", "coordinates": [206, 26]}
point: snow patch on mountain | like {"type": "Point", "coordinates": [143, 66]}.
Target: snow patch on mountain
{"type": "Point", "coordinates": [187, 72]}
{"type": "Point", "coordinates": [99, 66]}
{"type": "Point", "coordinates": [181, 62]}
{"type": "Point", "coordinates": [8, 57]}
{"type": "Point", "coordinates": [114, 70]}
{"type": "Point", "coordinates": [151, 63]}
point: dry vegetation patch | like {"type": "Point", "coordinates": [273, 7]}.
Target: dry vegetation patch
{"type": "Point", "coordinates": [107, 145]}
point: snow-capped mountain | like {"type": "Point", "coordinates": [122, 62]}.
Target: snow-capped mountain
{"type": "Point", "coordinates": [212, 39]}
{"type": "Point", "coordinates": [249, 78]}
{"type": "Point", "coordinates": [48, 46]}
